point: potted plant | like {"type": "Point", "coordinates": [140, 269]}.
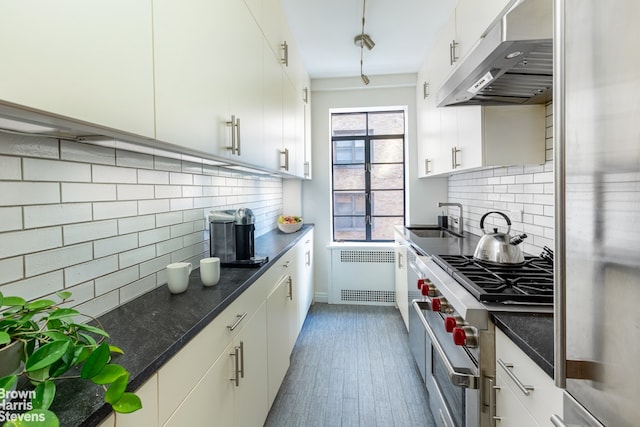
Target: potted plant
{"type": "Point", "coordinates": [50, 345]}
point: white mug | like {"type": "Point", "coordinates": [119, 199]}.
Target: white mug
{"type": "Point", "coordinates": [210, 271]}
{"type": "Point", "coordinates": [178, 276]}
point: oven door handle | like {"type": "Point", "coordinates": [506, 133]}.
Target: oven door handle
{"type": "Point", "coordinates": [458, 379]}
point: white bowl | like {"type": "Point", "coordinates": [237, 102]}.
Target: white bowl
{"type": "Point", "coordinates": [290, 228]}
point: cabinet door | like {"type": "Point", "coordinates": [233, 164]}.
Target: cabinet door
{"type": "Point", "coordinates": [272, 105]}
{"type": "Point", "coordinates": [212, 399]}
{"type": "Point", "coordinates": [191, 89]}
{"type": "Point", "coordinates": [473, 18]}
{"type": "Point", "coordinates": [291, 101]}
{"type": "Point", "coordinates": [90, 61]}
{"type": "Point", "coordinates": [250, 395]}
{"type": "Point", "coordinates": [305, 280]}
{"type": "Point", "coordinates": [510, 411]}
{"type": "Point", "coordinates": [278, 321]}
{"type": "Point", "coordinates": [402, 290]}
{"type": "Point", "coordinates": [469, 141]}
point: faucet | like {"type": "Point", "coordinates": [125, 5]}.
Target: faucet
{"type": "Point", "coordinates": [460, 222]}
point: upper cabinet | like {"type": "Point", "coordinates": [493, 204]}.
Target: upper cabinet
{"type": "Point", "coordinates": [208, 70]}
{"type": "Point", "coordinates": [463, 31]}
{"type": "Point", "coordinates": [87, 61]}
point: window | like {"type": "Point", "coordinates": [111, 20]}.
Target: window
{"type": "Point", "coordinates": [368, 174]}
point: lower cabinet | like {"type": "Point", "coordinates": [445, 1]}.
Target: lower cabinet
{"type": "Point", "coordinates": [525, 394]}
{"type": "Point", "coordinates": [230, 373]}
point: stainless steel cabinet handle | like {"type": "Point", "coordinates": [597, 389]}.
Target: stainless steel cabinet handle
{"type": "Point", "coordinates": [427, 166]}
{"type": "Point", "coordinates": [458, 379]}
{"type": "Point", "coordinates": [236, 370]}
{"type": "Point", "coordinates": [492, 403]}
{"type": "Point", "coordinates": [425, 90]}
{"type": "Point", "coordinates": [454, 157]}
{"type": "Point", "coordinates": [557, 421]}
{"type": "Point", "coordinates": [285, 54]}
{"type": "Point", "coordinates": [285, 153]}
{"type": "Point", "coordinates": [239, 319]}
{"type": "Point", "coordinates": [235, 135]}
{"type": "Point", "coordinates": [307, 258]}
{"type": "Point", "coordinates": [305, 95]}
{"type": "Point", "coordinates": [307, 169]}
{"type": "Point", "coordinates": [525, 389]}
{"type": "Point", "coordinates": [452, 52]}
{"type": "Point", "coordinates": [290, 296]}
{"type": "Point", "coordinates": [241, 359]}
{"type": "Point", "coordinates": [400, 261]}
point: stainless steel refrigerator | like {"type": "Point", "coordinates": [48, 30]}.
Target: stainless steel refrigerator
{"type": "Point", "coordinates": [597, 149]}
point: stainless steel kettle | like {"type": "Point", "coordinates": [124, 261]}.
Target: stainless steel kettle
{"type": "Point", "coordinates": [499, 248]}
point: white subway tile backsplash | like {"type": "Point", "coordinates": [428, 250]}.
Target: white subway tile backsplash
{"type": "Point", "coordinates": [46, 215]}
{"type": "Point", "coordinates": [114, 174]}
{"type": "Point", "coordinates": [109, 210]}
{"type": "Point", "coordinates": [10, 168]}
{"type": "Point", "coordinates": [16, 193]}
{"type": "Point", "coordinates": [10, 219]}
{"type": "Point", "coordinates": [11, 269]}
{"type": "Point", "coordinates": [90, 270]}
{"type": "Point", "coordinates": [56, 259]}
{"type": "Point", "coordinates": [114, 245]}
{"type": "Point", "coordinates": [24, 242]}
{"type": "Point", "coordinates": [87, 153]}
{"type": "Point", "coordinates": [104, 222]}
{"type": "Point", "coordinates": [55, 170]}
{"type": "Point", "coordinates": [72, 192]}
{"type": "Point", "coordinates": [152, 177]}
{"type": "Point", "coordinates": [87, 231]}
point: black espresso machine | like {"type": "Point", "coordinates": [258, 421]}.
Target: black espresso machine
{"type": "Point", "coordinates": [232, 238]}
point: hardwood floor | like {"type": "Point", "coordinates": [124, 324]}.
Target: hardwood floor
{"type": "Point", "coordinates": [351, 366]}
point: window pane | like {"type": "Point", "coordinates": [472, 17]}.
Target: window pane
{"type": "Point", "coordinates": [387, 176]}
{"type": "Point", "coordinates": [348, 177]}
{"type": "Point", "coordinates": [387, 202]}
{"type": "Point", "coordinates": [345, 152]}
{"type": "Point", "coordinates": [350, 228]}
{"type": "Point", "coordinates": [387, 151]}
{"type": "Point", "coordinates": [349, 203]}
{"type": "Point", "coordinates": [382, 228]}
{"type": "Point", "coordinates": [386, 123]}
{"type": "Point", "coordinates": [348, 124]}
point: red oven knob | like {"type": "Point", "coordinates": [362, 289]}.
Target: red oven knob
{"type": "Point", "coordinates": [429, 290]}
{"type": "Point", "coordinates": [451, 322]}
{"type": "Point", "coordinates": [420, 283]}
{"type": "Point", "coordinates": [465, 336]}
{"type": "Point", "coordinates": [440, 304]}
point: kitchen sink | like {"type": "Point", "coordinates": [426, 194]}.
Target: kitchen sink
{"type": "Point", "coordinates": [434, 231]}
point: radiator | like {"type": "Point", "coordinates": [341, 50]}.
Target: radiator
{"type": "Point", "coordinates": [362, 276]}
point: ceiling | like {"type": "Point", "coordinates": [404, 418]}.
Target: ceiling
{"type": "Point", "coordinates": [403, 31]}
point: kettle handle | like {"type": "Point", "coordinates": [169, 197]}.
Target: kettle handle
{"type": "Point", "coordinates": [496, 212]}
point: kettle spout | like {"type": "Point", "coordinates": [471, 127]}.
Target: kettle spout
{"type": "Point", "coordinates": [516, 240]}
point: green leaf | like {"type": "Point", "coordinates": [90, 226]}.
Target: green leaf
{"type": "Point", "coordinates": [35, 418]}
{"type": "Point", "coordinates": [8, 382]}
{"type": "Point", "coordinates": [116, 390]}
{"type": "Point", "coordinates": [56, 336]}
{"type": "Point", "coordinates": [45, 392]}
{"type": "Point", "coordinates": [109, 374]}
{"type": "Point", "coordinates": [39, 304]}
{"type": "Point", "coordinates": [63, 312]}
{"type": "Point", "coordinates": [128, 403]}
{"type": "Point", "coordinates": [14, 301]}
{"type": "Point", "coordinates": [46, 355]}
{"type": "Point", "coordinates": [114, 349]}
{"type": "Point", "coordinates": [63, 295]}
{"type": "Point", "coordinates": [96, 361]}
{"type": "Point", "coordinates": [93, 329]}
{"type": "Point", "coordinates": [1, 299]}
{"type": "Point", "coordinates": [88, 339]}
{"type": "Point", "coordinates": [5, 338]}
{"type": "Point", "coordinates": [39, 376]}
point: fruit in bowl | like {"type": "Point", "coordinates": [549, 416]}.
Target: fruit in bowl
{"type": "Point", "coordinates": [289, 223]}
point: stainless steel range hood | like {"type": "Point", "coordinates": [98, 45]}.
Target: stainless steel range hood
{"type": "Point", "coordinates": [512, 64]}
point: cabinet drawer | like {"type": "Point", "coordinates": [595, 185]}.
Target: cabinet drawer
{"type": "Point", "coordinates": [545, 398]}
{"type": "Point", "coordinates": [509, 409]}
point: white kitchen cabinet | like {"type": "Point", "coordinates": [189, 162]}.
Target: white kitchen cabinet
{"type": "Point", "coordinates": [304, 273]}
{"type": "Point", "coordinates": [148, 415]}
{"type": "Point", "coordinates": [401, 285]}
{"type": "Point", "coordinates": [278, 341]}
{"type": "Point", "coordinates": [87, 61]}
{"type": "Point", "coordinates": [208, 71]}
{"type": "Point", "coordinates": [544, 398]}
{"type": "Point", "coordinates": [462, 32]}
{"type": "Point", "coordinates": [474, 136]}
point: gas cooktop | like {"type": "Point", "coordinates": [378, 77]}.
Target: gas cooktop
{"type": "Point", "coordinates": [529, 283]}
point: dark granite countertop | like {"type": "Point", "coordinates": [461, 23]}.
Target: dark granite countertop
{"type": "Point", "coordinates": [531, 332]}
{"type": "Point", "coordinates": [155, 326]}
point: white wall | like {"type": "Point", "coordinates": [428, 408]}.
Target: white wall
{"type": "Point", "coordinates": [397, 90]}
{"type": "Point", "coordinates": [103, 223]}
